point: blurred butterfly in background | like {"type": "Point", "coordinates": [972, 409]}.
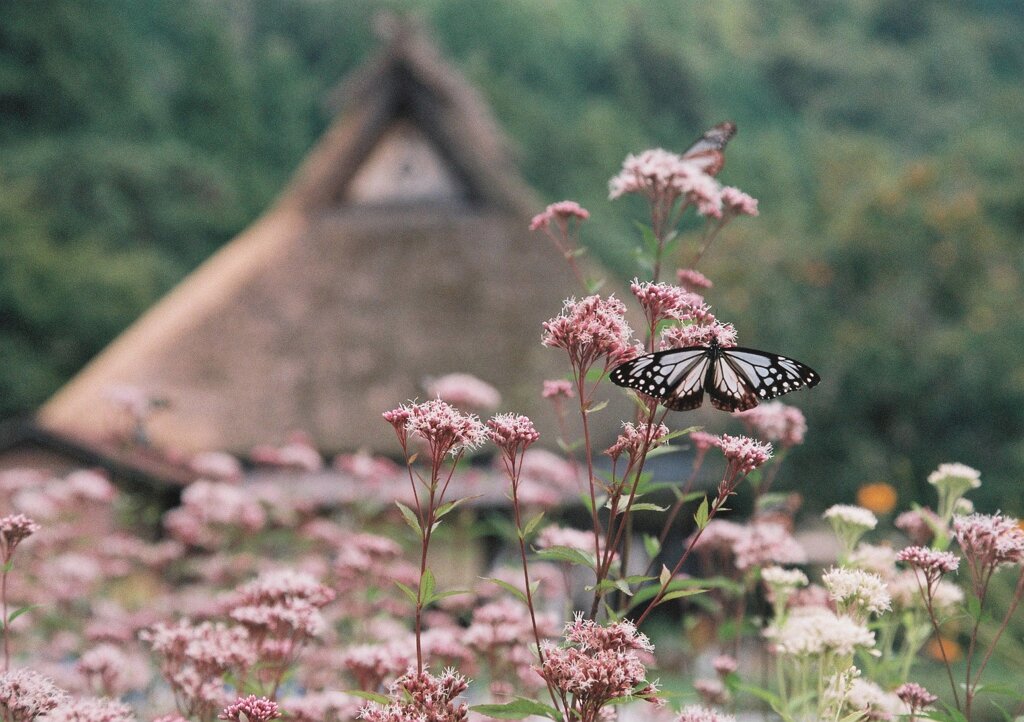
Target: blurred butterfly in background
{"type": "Point", "coordinates": [735, 378]}
{"type": "Point", "coordinates": [707, 151]}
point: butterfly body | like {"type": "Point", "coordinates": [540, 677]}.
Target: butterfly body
{"type": "Point", "coordinates": [734, 378]}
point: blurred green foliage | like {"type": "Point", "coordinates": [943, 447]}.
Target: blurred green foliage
{"type": "Point", "coordinates": [883, 138]}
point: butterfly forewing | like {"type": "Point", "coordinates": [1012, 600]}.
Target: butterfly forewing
{"type": "Point", "coordinates": [666, 375]}
{"type": "Point", "coordinates": [769, 374]}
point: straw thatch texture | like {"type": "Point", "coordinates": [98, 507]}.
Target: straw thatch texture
{"type": "Point", "coordinates": [326, 312]}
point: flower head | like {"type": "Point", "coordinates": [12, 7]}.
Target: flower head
{"type": "Point", "coordinates": [915, 696]}
{"type": "Point", "coordinates": [989, 541]}
{"type": "Point", "coordinates": [775, 421]}
{"type": "Point", "coordinates": [744, 454]}
{"type": "Point", "coordinates": [856, 591]}
{"type": "Point", "coordinates": [465, 391]}
{"type": "Point", "coordinates": [444, 428]}
{"type": "Point", "coordinates": [692, 279]}
{"type": "Point", "coordinates": [598, 663]}
{"type": "Point", "coordinates": [931, 561]}
{"type": "Point", "coordinates": [850, 523]}
{"type": "Point", "coordinates": [251, 709]}
{"type": "Point", "coordinates": [14, 529]}
{"type": "Point", "coordinates": [637, 439]}
{"type": "Point", "coordinates": [591, 329]}
{"type": "Point", "coordinates": [663, 177]}
{"type": "Point", "coordinates": [737, 203]}
{"type": "Point", "coordinates": [421, 697]}
{"type": "Point", "coordinates": [699, 334]}
{"type": "Point", "coordinates": [512, 433]}
{"type": "Point", "coordinates": [696, 713]}
{"type": "Point", "coordinates": [662, 301]}
{"type": "Point", "coordinates": [557, 388]}
{"type": "Point", "coordinates": [952, 481]}
{"type": "Point", "coordinates": [878, 497]}
{"type": "Point", "coordinates": [561, 212]}
{"type": "Point", "coordinates": [26, 694]}
{"type": "Point", "coordinates": [813, 631]}
{"type": "Point", "coordinates": [919, 525]}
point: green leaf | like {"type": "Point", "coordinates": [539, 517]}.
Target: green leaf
{"type": "Point", "coordinates": [647, 506]}
{"type": "Point", "coordinates": [701, 517]}
{"type": "Point", "coordinates": [532, 524]}
{"type": "Point", "coordinates": [651, 545]}
{"type": "Point", "coordinates": [623, 586]}
{"type": "Point", "coordinates": [444, 595]}
{"type": "Point", "coordinates": [510, 588]}
{"type": "Point", "coordinates": [449, 505]}
{"type": "Point", "coordinates": [518, 708]}
{"type": "Point", "coordinates": [427, 584]}
{"type": "Point", "coordinates": [21, 610]}
{"type": "Point", "coordinates": [372, 696]}
{"type": "Point", "coordinates": [408, 592]}
{"type": "Point", "coordinates": [410, 518]}
{"type": "Point", "coordinates": [597, 407]}
{"type": "Point", "coordinates": [680, 593]}
{"type": "Point", "coordinates": [665, 577]}
{"type": "Point", "coordinates": [568, 554]}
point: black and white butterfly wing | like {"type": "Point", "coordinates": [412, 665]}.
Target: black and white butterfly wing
{"type": "Point", "coordinates": [744, 377]}
{"type": "Point", "coordinates": [674, 377]}
{"type": "Point", "coordinates": [707, 151]}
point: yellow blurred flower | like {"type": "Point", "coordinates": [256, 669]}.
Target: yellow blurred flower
{"type": "Point", "coordinates": [879, 497]}
{"type": "Point", "coordinates": [936, 645]}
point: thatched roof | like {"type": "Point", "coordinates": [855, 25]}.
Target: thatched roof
{"type": "Point", "coordinates": [399, 251]}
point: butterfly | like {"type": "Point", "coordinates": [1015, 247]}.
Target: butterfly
{"type": "Point", "coordinates": [735, 378]}
{"type": "Point", "coordinates": [707, 151]}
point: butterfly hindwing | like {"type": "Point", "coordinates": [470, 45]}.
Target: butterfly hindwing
{"type": "Point", "coordinates": [731, 389]}
{"type": "Point", "coordinates": [707, 151]}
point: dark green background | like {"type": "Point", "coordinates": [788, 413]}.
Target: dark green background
{"type": "Point", "coordinates": [883, 138]}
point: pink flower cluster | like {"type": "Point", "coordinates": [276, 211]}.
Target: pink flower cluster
{"type": "Point", "coordinates": [737, 203]}
{"type": "Point", "coordinates": [212, 510]}
{"type": "Point", "coordinates": [989, 540]}
{"type": "Point", "coordinates": [26, 694]}
{"type": "Point", "coordinates": [662, 177]}
{"type": "Point", "coordinates": [597, 664]}
{"type": "Point", "coordinates": [691, 279]}
{"type": "Point", "coordinates": [561, 212]}
{"type": "Point", "coordinates": [699, 334]}
{"type": "Point", "coordinates": [590, 330]}
{"type": "Point", "coordinates": [421, 697]}
{"type": "Point", "coordinates": [298, 453]}
{"type": "Point", "coordinates": [775, 421]}
{"type": "Point", "coordinates": [444, 428]}
{"type": "Point", "coordinates": [280, 610]}
{"type": "Point", "coordinates": [251, 709]}
{"type": "Point", "coordinates": [663, 301]}
{"type": "Point", "coordinates": [915, 696]}
{"type": "Point", "coordinates": [512, 433]}
{"type": "Point", "coordinates": [636, 439]}
{"type": "Point", "coordinates": [465, 391]}
{"type": "Point", "coordinates": [557, 388]}
{"type": "Point", "coordinates": [194, 659]}
{"type": "Point", "coordinates": [14, 529]}
{"type": "Point", "coordinates": [744, 454]}
{"type": "Point", "coordinates": [92, 709]}
{"type": "Point", "coordinates": [497, 633]}
{"type": "Point", "coordinates": [931, 562]}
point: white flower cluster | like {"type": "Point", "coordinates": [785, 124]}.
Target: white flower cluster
{"type": "Point", "coordinates": [857, 590]}
{"type": "Point", "coordinates": [851, 515]}
{"type": "Point", "coordinates": [816, 631]}
{"type": "Point", "coordinates": [960, 474]}
{"type": "Point", "coordinates": [779, 577]}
